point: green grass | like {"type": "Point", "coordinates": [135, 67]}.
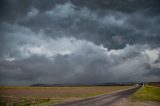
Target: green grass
{"type": "Point", "coordinates": [147, 93]}
{"type": "Point", "coordinates": [22, 103]}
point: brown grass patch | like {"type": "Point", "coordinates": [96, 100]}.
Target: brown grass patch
{"type": "Point", "coordinates": [14, 94]}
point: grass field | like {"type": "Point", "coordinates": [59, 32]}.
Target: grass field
{"type": "Point", "coordinates": [41, 96]}
{"type": "Point", "coordinates": [147, 93]}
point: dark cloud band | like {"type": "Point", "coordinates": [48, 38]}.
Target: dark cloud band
{"type": "Point", "coordinates": [79, 41]}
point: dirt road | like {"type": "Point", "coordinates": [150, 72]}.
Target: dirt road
{"type": "Point", "coordinates": [113, 99]}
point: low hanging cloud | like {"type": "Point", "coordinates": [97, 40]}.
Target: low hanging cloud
{"type": "Point", "coordinates": [77, 41]}
{"type": "Point", "coordinates": [69, 60]}
{"type": "Point", "coordinates": [85, 65]}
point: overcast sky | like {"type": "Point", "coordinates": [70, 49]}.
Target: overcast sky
{"type": "Point", "coordinates": [79, 41]}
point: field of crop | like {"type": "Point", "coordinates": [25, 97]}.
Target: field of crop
{"type": "Point", "coordinates": [147, 93]}
{"type": "Point", "coordinates": [39, 96]}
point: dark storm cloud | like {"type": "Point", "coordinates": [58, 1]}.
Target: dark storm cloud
{"type": "Point", "coordinates": [12, 37]}
{"type": "Point", "coordinates": [79, 41]}
{"type": "Point", "coordinates": [87, 65]}
{"type": "Point", "coordinates": [11, 10]}
{"type": "Point", "coordinates": [100, 26]}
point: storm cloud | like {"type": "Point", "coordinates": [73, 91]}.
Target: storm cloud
{"type": "Point", "coordinates": [79, 41]}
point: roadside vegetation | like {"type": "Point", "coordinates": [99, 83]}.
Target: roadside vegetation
{"type": "Point", "coordinates": [42, 96]}
{"type": "Point", "coordinates": [147, 93]}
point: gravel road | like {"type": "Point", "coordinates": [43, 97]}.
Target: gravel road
{"type": "Point", "coordinates": [116, 98]}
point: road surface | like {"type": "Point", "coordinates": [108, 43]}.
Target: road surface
{"type": "Point", "coordinates": [114, 99]}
